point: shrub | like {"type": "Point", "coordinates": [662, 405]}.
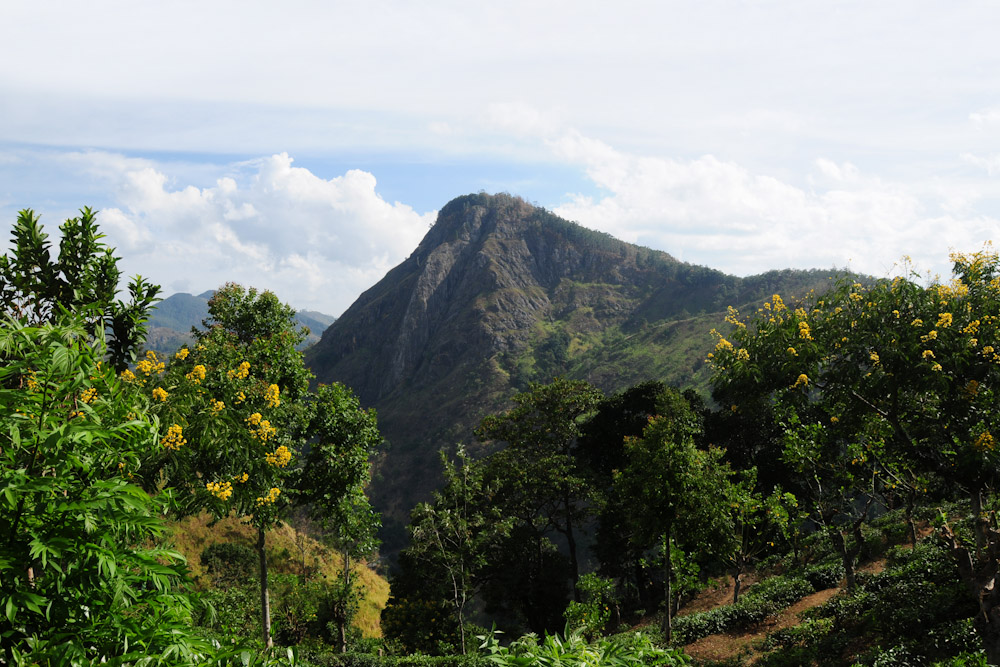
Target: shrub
{"type": "Point", "coordinates": [229, 563]}
{"type": "Point", "coordinates": [821, 577]}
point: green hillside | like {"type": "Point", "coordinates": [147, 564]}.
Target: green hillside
{"type": "Point", "coordinates": [500, 294]}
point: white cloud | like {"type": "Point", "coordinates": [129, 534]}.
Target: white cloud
{"type": "Point", "coordinates": [721, 214]}
{"type": "Point", "coordinates": [316, 242]}
{"type": "Point", "coordinates": [986, 116]}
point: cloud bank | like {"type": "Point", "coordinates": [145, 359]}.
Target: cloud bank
{"type": "Point", "coordinates": [317, 243]}
{"type": "Point", "coordinates": [722, 214]}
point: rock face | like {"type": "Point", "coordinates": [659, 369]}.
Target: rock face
{"type": "Point", "coordinates": [501, 293]}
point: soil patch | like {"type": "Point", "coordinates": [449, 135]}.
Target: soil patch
{"type": "Point", "coordinates": [720, 647]}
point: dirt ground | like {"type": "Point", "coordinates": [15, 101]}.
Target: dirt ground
{"type": "Point", "coordinates": [719, 647]}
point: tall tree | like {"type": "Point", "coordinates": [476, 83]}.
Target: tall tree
{"type": "Point", "coordinates": [242, 421]}
{"type": "Point", "coordinates": [83, 278]}
{"type": "Point", "coordinates": [673, 488]}
{"type": "Point", "coordinates": [455, 533]}
{"type": "Point", "coordinates": [537, 470]}
{"type": "Point", "coordinates": [331, 481]}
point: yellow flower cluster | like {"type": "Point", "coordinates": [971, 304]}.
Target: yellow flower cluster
{"type": "Point", "coordinates": [160, 394]}
{"type": "Point", "coordinates": [956, 289]}
{"type": "Point", "coordinates": [279, 458]}
{"type": "Point", "coordinates": [723, 345]}
{"type": "Point", "coordinates": [936, 367]}
{"type": "Point", "coordinates": [854, 296]}
{"type": "Point", "coordinates": [242, 479]}
{"type": "Point", "coordinates": [89, 395]}
{"type": "Point", "coordinates": [150, 364]}
{"type": "Point", "coordinates": [834, 420]}
{"type": "Point", "coordinates": [240, 397]}
{"type": "Point", "coordinates": [241, 372]}
{"type": "Point", "coordinates": [182, 354]}
{"type": "Point", "coordinates": [917, 322]}
{"type": "Point", "coordinates": [271, 497]}
{"type": "Point", "coordinates": [129, 376]}
{"type": "Point", "coordinates": [272, 397]}
{"type": "Point", "coordinates": [777, 303]}
{"type": "Point", "coordinates": [31, 380]}
{"type": "Point", "coordinates": [944, 320]}
{"type": "Point", "coordinates": [260, 428]}
{"type": "Point", "coordinates": [792, 352]}
{"type": "Point", "coordinates": [221, 490]}
{"type": "Point", "coordinates": [874, 357]}
{"type": "Point", "coordinates": [985, 442]}
{"type": "Point", "coordinates": [174, 439]}
{"type": "Point", "coordinates": [971, 389]}
{"type": "Point", "coordinates": [197, 374]}
{"type": "Point", "coordinates": [804, 331]}
{"type": "Point", "coordinates": [75, 414]}
{"type": "Point", "coordinates": [733, 317]}
{"type": "Point", "coordinates": [988, 350]}
{"type": "Point", "coordinates": [928, 354]}
{"type": "Point", "coordinates": [931, 335]}
{"type": "Point", "coordinates": [742, 354]}
{"type": "Point", "coordinates": [217, 406]}
{"type": "Point", "coordinates": [801, 381]}
{"type": "Point", "coordinates": [971, 328]}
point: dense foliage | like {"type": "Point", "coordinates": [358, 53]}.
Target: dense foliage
{"type": "Point", "coordinates": [94, 454]}
{"type": "Point", "coordinates": [848, 424]}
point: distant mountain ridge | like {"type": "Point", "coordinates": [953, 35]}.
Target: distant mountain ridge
{"type": "Point", "coordinates": [500, 293]}
{"type": "Point", "coordinates": [170, 321]}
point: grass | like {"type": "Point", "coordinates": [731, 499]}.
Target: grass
{"type": "Point", "coordinates": [287, 549]}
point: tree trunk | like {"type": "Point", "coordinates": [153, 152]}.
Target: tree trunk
{"type": "Point", "coordinates": [980, 521]}
{"type": "Point", "coordinates": [848, 556]}
{"type": "Point", "coordinates": [341, 617]}
{"type": "Point", "coordinates": [571, 543]}
{"type": "Point", "coordinates": [668, 568]}
{"type": "Point", "coordinates": [979, 571]}
{"type": "Point", "coordinates": [265, 594]}
{"type": "Point", "coordinates": [911, 526]}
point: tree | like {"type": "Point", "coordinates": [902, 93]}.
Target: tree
{"type": "Point", "coordinates": [236, 410]}
{"type": "Point", "coordinates": [454, 534]}
{"type": "Point", "coordinates": [674, 489]}
{"type": "Point", "coordinates": [81, 577]}
{"type": "Point", "coordinates": [601, 451]}
{"type": "Point", "coordinates": [882, 387]}
{"type": "Point", "coordinates": [36, 288]}
{"type": "Point", "coordinates": [836, 369]}
{"type": "Point", "coordinates": [246, 435]}
{"type": "Point", "coordinates": [754, 522]}
{"type": "Point", "coordinates": [537, 468]}
{"type": "Point", "coordinates": [330, 484]}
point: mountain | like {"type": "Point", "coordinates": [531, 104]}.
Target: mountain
{"type": "Point", "coordinates": [499, 294]}
{"type": "Point", "coordinates": [170, 321]}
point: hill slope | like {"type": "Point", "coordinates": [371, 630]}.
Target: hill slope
{"type": "Point", "coordinates": [499, 294]}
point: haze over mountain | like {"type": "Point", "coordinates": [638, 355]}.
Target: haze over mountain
{"type": "Point", "coordinates": [500, 293]}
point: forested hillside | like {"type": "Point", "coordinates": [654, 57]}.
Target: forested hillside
{"type": "Point", "coordinates": [500, 294]}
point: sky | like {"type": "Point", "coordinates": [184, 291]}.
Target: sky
{"type": "Point", "coordinates": [306, 146]}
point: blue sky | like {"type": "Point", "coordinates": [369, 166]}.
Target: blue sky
{"type": "Point", "coordinates": [306, 147]}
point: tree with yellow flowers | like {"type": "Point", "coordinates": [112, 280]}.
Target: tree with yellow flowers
{"type": "Point", "coordinates": [237, 416]}
{"type": "Point", "coordinates": [881, 389]}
